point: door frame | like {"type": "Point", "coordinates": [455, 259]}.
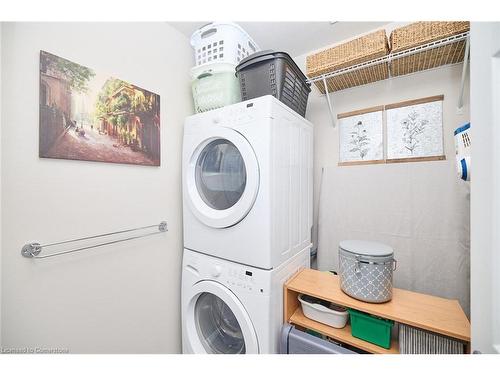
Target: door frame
{"type": "Point", "coordinates": [485, 184]}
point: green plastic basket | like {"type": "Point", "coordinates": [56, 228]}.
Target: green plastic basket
{"type": "Point", "coordinates": [214, 86]}
{"type": "Point", "coordinates": [371, 328]}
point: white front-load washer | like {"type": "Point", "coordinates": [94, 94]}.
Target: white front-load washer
{"type": "Point", "coordinates": [247, 182]}
{"type": "Point", "coordinates": [232, 308]}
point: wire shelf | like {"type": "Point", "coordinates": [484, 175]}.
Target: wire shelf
{"type": "Point", "coordinates": [441, 52]}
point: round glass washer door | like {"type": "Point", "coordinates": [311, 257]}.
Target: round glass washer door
{"type": "Point", "coordinates": [217, 322]}
{"type": "Point", "coordinates": [222, 179]}
{"type": "Point", "coordinates": [217, 327]}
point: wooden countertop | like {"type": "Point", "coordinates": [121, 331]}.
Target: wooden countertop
{"type": "Point", "coordinates": [428, 312]}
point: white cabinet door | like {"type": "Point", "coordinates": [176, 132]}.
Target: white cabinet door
{"type": "Point", "coordinates": [485, 187]}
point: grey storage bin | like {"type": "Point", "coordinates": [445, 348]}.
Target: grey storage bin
{"type": "Point", "coordinates": [274, 73]}
{"type": "Point", "coordinates": [294, 341]}
{"type": "Point", "coordinates": [365, 270]}
{"type": "Point", "coordinates": [417, 341]}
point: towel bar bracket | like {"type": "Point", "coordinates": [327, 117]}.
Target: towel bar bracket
{"type": "Point", "coordinates": [31, 250]}
{"type": "Point", "coordinates": [163, 226]}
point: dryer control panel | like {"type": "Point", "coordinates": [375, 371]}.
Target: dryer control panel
{"type": "Point", "coordinates": [240, 113]}
{"type": "Point", "coordinates": [237, 114]}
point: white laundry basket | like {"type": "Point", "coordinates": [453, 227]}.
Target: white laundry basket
{"type": "Point", "coordinates": [221, 42]}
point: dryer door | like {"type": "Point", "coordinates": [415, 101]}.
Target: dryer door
{"type": "Point", "coordinates": [222, 178]}
{"type": "Point", "coordinates": [217, 322]}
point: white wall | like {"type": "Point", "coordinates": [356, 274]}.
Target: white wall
{"type": "Point", "coordinates": [421, 209]}
{"type": "Point", "coordinates": [118, 299]}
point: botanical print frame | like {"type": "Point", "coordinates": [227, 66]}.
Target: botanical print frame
{"type": "Point", "coordinates": [87, 115]}
{"type": "Point", "coordinates": [415, 130]}
{"type": "Point", "coordinates": [361, 138]}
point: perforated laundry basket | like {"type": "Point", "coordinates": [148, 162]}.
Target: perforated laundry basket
{"type": "Point", "coordinates": [214, 85]}
{"type": "Point", "coordinates": [222, 42]}
{"type": "Point", "coordinates": [274, 73]}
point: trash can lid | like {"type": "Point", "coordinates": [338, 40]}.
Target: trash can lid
{"type": "Point", "coordinates": [369, 248]}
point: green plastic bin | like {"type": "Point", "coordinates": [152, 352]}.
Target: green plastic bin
{"type": "Point", "coordinates": [371, 328]}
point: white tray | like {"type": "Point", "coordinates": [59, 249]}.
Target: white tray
{"type": "Point", "coordinates": [322, 314]}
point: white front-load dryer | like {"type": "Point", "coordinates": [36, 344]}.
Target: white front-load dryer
{"type": "Point", "coordinates": [247, 182]}
{"type": "Point", "coordinates": [231, 308]}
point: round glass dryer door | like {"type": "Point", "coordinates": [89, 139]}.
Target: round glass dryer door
{"type": "Point", "coordinates": [220, 174]}
{"type": "Point", "coordinates": [217, 322]}
{"type": "Point", "coordinates": [222, 179]}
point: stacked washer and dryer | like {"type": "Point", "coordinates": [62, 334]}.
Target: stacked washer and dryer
{"type": "Point", "coordinates": [247, 210]}
{"type": "Point", "coordinates": [247, 204]}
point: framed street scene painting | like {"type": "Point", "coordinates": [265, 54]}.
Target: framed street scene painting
{"type": "Point", "coordinates": [87, 115]}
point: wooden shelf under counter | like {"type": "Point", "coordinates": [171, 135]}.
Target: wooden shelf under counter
{"type": "Point", "coordinates": [439, 315]}
{"type": "Point", "coordinates": [340, 334]}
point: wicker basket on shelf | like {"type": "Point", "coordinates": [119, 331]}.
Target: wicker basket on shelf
{"type": "Point", "coordinates": [356, 51]}
{"type": "Point", "coordinates": [420, 33]}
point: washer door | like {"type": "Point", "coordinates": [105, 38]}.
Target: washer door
{"type": "Point", "coordinates": [222, 179]}
{"type": "Point", "coordinates": [217, 323]}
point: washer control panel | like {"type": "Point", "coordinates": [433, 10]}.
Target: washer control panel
{"type": "Point", "coordinates": [233, 276]}
{"type": "Point", "coordinates": [238, 277]}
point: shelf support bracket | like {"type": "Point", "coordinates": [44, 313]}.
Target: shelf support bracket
{"type": "Point", "coordinates": [464, 73]}
{"type": "Point", "coordinates": [328, 100]}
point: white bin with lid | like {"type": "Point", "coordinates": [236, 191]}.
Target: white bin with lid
{"type": "Point", "coordinates": [366, 269]}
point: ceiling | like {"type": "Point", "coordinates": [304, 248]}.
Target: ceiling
{"type": "Point", "coordinates": [296, 38]}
